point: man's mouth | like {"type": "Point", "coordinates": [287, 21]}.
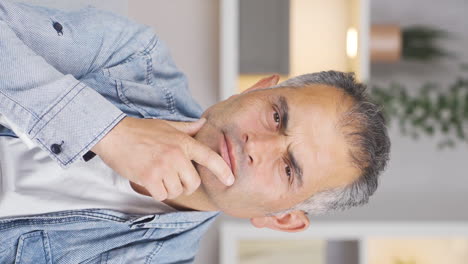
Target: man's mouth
{"type": "Point", "coordinates": [226, 152]}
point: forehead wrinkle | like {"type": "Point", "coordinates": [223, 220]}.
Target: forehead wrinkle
{"type": "Point", "coordinates": [322, 107]}
{"type": "Point", "coordinates": [304, 155]}
{"type": "Point", "coordinates": [309, 155]}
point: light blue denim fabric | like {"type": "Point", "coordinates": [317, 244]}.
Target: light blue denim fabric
{"type": "Point", "coordinates": [102, 236]}
{"type": "Point", "coordinates": [76, 84]}
{"type": "Point", "coordinates": [72, 84]}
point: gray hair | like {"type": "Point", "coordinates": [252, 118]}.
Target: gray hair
{"type": "Point", "coordinates": [364, 129]}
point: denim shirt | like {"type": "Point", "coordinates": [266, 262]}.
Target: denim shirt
{"type": "Point", "coordinates": [102, 236]}
{"type": "Point", "coordinates": [66, 79]}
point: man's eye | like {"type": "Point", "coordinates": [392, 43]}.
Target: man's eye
{"type": "Point", "coordinates": [277, 118]}
{"type": "Point", "coordinates": [288, 171]}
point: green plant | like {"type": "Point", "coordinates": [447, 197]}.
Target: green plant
{"type": "Point", "coordinates": [420, 43]}
{"type": "Point", "coordinates": [431, 110]}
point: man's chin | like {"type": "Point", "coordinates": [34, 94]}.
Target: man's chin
{"type": "Point", "coordinates": [208, 179]}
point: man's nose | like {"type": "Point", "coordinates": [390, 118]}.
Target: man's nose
{"type": "Point", "coordinates": [261, 147]}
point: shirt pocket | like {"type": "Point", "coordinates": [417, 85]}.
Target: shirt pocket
{"type": "Point", "coordinates": [140, 83]}
{"type": "Point", "coordinates": [136, 252]}
{"type": "Point", "coordinates": [33, 247]}
{"type": "Point", "coordinates": [147, 100]}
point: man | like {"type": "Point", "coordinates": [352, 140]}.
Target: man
{"type": "Point", "coordinates": [89, 80]}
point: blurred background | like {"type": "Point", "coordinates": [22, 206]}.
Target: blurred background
{"type": "Point", "coordinates": [412, 54]}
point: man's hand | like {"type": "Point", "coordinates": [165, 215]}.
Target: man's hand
{"type": "Point", "coordinates": [158, 155]}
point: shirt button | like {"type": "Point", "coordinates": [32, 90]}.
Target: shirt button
{"type": "Point", "coordinates": [56, 148]}
{"type": "Point", "coordinates": [58, 27]}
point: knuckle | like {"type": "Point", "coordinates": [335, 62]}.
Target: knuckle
{"type": "Point", "coordinates": [172, 151]}
{"type": "Point", "coordinates": [164, 156]}
{"type": "Point", "coordinates": [175, 192]}
{"type": "Point", "coordinates": [184, 139]}
{"type": "Point", "coordinates": [164, 163]}
{"type": "Point", "coordinates": [150, 176]}
{"type": "Point", "coordinates": [178, 191]}
{"type": "Point", "coordinates": [170, 195]}
{"type": "Point", "coordinates": [192, 178]}
{"type": "Point", "coordinates": [206, 158]}
{"type": "Point", "coordinates": [145, 178]}
{"type": "Point", "coordinates": [162, 160]}
{"type": "Point", "coordinates": [161, 196]}
{"type": "Point", "coordinates": [186, 143]}
{"type": "Point", "coordinates": [159, 193]}
{"type": "Point", "coordinates": [196, 183]}
{"type": "Point", "coordinates": [193, 185]}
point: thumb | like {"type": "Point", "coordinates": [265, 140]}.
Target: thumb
{"type": "Point", "coordinates": [190, 128]}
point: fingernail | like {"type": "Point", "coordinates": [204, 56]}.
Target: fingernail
{"type": "Point", "coordinates": [230, 181]}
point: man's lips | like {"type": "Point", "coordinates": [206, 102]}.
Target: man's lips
{"type": "Point", "coordinates": [232, 158]}
{"type": "Point", "coordinates": [226, 152]}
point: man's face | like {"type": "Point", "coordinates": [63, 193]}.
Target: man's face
{"type": "Point", "coordinates": [283, 146]}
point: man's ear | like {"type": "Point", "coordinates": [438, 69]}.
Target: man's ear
{"type": "Point", "coordinates": [289, 222]}
{"type": "Point", "coordinates": [264, 83]}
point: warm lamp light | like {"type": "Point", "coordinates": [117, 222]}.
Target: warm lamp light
{"type": "Point", "coordinates": [351, 42]}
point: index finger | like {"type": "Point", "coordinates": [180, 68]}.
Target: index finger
{"type": "Point", "coordinates": [205, 156]}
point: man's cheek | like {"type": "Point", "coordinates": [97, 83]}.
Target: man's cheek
{"type": "Point", "coordinates": [263, 180]}
{"type": "Point", "coordinates": [251, 123]}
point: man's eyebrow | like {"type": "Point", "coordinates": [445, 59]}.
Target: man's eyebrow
{"type": "Point", "coordinates": [296, 167]}
{"type": "Point", "coordinates": [284, 109]}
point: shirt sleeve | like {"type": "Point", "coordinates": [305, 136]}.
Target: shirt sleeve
{"type": "Point", "coordinates": [63, 116]}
